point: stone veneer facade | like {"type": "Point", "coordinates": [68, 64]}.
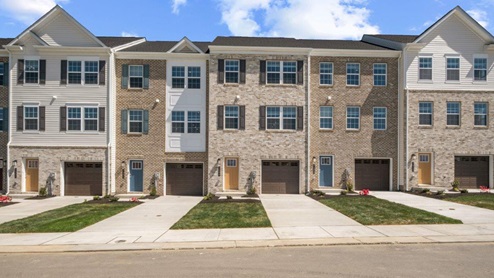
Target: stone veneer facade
{"type": "Point", "coordinates": [444, 142]}
{"type": "Point", "coordinates": [347, 145]}
{"type": "Point", "coordinates": [251, 146]}
{"type": "Point", "coordinates": [4, 134]}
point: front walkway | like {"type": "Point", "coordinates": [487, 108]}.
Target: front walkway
{"type": "Point", "coordinates": [467, 214]}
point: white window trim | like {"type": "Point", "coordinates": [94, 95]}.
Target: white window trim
{"type": "Point", "coordinates": [225, 117]}
{"type": "Point", "coordinates": [431, 68]}
{"type": "Point", "coordinates": [83, 72]}
{"type": "Point", "coordinates": [229, 71]}
{"type": "Point", "coordinates": [431, 113]}
{"type": "Point", "coordinates": [187, 77]}
{"type": "Point", "coordinates": [458, 114]}
{"type": "Point", "coordinates": [480, 56]}
{"type": "Point", "coordinates": [347, 74]}
{"type": "Point", "coordinates": [129, 121]}
{"type": "Point", "coordinates": [82, 119]}
{"type": "Point", "coordinates": [25, 71]}
{"type": "Point", "coordinates": [330, 74]}
{"type": "Point", "coordinates": [138, 162]}
{"type": "Point", "coordinates": [281, 118]}
{"type": "Point", "coordinates": [234, 164]}
{"type": "Point", "coordinates": [24, 119]}
{"type": "Point", "coordinates": [184, 122]}
{"type": "Point", "coordinates": [385, 118]}
{"type": "Point", "coordinates": [187, 121]}
{"type": "Point", "coordinates": [281, 72]}
{"type": "Point", "coordinates": [380, 74]}
{"type": "Point", "coordinates": [2, 73]}
{"type": "Point", "coordinates": [359, 115]}
{"type": "Point", "coordinates": [131, 76]}
{"type": "Point", "coordinates": [1, 120]}
{"type": "Point", "coordinates": [486, 114]}
{"type": "Point", "coordinates": [425, 155]}
{"type": "Point", "coordinates": [446, 57]}
{"type": "Point", "coordinates": [332, 117]}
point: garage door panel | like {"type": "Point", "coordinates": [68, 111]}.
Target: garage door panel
{"type": "Point", "coordinates": [372, 174]}
{"type": "Point", "coordinates": [184, 179]}
{"type": "Point", "coordinates": [280, 177]}
{"type": "Point", "coordinates": [83, 179]}
{"type": "Point", "coordinates": [472, 171]}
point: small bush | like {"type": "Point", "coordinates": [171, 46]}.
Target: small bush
{"type": "Point", "coordinates": [349, 186]}
{"type": "Point", "coordinates": [317, 193]}
{"type": "Point", "coordinates": [113, 199]}
{"type": "Point", "coordinates": [463, 190]}
{"type": "Point", "coordinates": [440, 192]}
{"type": "Point", "coordinates": [43, 192]}
{"type": "Point", "coordinates": [252, 191]}
{"type": "Point", "coordinates": [209, 196]}
{"type": "Point", "coordinates": [343, 192]}
{"type": "Point", "coordinates": [229, 197]}
{"type": "Point", "coordinates": [153, 191]}
{"type": "Point", "coordinates": [107, 196]}
{"type": "Point", "coordinates": [96, 197]}
{"type": "Point", "coordinates": [456, 185]}
{"type": "Point", "coordinates": [425, 191]}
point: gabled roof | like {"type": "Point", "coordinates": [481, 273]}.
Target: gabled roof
{"type": "Point", "coordinates": [184, 46]}
{"type": "Point", "coordinates": [117, 41]}
{"type": "Point", "coordinates": [4, 41]}
{"type": "Point", "coordinates": [397, 38]}
{"type": "Point", "coordinates": [163, 46]}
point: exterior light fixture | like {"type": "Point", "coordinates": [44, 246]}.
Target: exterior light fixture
{"type": "Point", "coordinates": [314, 162]}
{"type": "Point", "coordinates": [218, 165]}
{"type": "Point", "coordinates": [14, 164]}
{"type": "Point", "coordinates": [123, 169]}
{"type": "Point", "coordinates": [329, 98]}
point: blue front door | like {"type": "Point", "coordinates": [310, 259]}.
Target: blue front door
{"type": "Point", "coordinates": [326, 171]}
{"type": "Point", "coordinates": [136, 167]}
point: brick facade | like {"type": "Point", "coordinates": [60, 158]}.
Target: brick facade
{"type": "Point", "coordinates": [4, 135]}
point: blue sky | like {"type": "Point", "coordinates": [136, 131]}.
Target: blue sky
{"type": "Point", "coordinates": [203, 20]}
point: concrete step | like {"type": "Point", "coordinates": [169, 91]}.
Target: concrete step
{"type": "Point", "coordinates": [23, 195]}
{"type": "Point", "coordinates": [231, 193]}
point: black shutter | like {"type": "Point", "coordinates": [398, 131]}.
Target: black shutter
{"type": "Point", "coordinates": [5, 127]}
{"type": "Point", "coordinates": [262, 75]}
{"type": "Point", "coordinates": [242, 72]}
{"type": "Point", "coordinates": [300, 118]}
{"type": "Point", "coordinates": [125, 76]}
{"type": "Point", "coordinates": [102, 117]}
{"type": "Point", "coordinates": [102, 73]}
{"type": "Point", "coordinates": [300, 72]}
{"type": "Point", "coordinates": [262, 117]}
{"type": "Point", "coordinates": [6, 72]}
{"type": "Point", "coordinates": [242, 117]}
{"type": "Point", "coordinates": [20, 72]}
{"type": "Point", "coordinates": [20, 118]}
{"type": "Point", "coordinates": [63, 118]}
{"type": "Point", "coordinates": [42, 72]}
{"type": "Point", "coordinates": [221, 71]}
{"type": "Point", "coordinates": [124, 121]}
{"type": "Point", "coordinates": [145, 122]}
{"type": "Point", "coordinates": [42, 118]}
{"type": "Point", "coordinates": [145, 81]}
{"type": "Point", "coordinates": [63, 72]}
{"type": "Point", "coordinates": [219, 117]}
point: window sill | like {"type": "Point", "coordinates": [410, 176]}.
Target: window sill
{"type": "Point", "coordinates": [83, 132]}
{"type": "Point", "coordinates": [452, 82]}
{"type": "Point", "coordinates": [134, 134]}
{"type": "Point", "coordinates": [282, 85]}
{"type": "Point", "coordinates": [80, 85]}
{"type": "Point", "coordinates": [326, 130]}
{"type": "Point", "coordinates": [135, 89]}
{"type": "Point", "coordinates": [425, 127]}
{"type": "Point", "coordinates": [480, 127]}
{"type": "Point", "coordinates": [380, 86]}
{"type": "Point", "coordinates": [31, 85]}
{"type": "Point", "coordinates": [483, 82]}
{"type": "Point", "coordinates": [425, 81]}
{"type": "Point", "coordinates": [231, 130]}
{"type": "Point", "coordinates": [353, 86]}
{"type": "Point", "coordinates": [280, 131]}
{"type": "Point", "coordinates": [352, 130]}
{"type": "Point", "coordinates": [453, 127]}
{"type": "Point", "coordinates": [231, 84]}
{"type": "Point", "coordinates": [326, 85]}
{"type": "Point", "coordinates": [31, 132]}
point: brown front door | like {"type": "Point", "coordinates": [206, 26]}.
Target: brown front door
{"type": "Point", "coordinates": [231, 173]}
{"type": "Point", "coordinates": [32, 175]}
{"type": "Point", "coordinates": [425, 168]}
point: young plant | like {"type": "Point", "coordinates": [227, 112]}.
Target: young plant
{"type": "Point", "coordinates": [153, 191]}
{"type": "Point", "coordinates": [343, 192]}
{"type": "Point", "coordinates": [96, 197]}
{"type": "Point", "coordinates": [463, 190]}
{"type": "Point", "coordinates": [349, 186]}
{"type": "Point", "coordinates": [209, 196]}
{"type": "Point", "coordinates": [440, 192]}
{"type": "Point", "coordinates": [43, 192]}
{"type": "Point", "coordinates": [456, 185]}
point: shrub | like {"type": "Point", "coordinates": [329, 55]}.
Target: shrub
{"type": "Point", "coordinates": [114, 199]}
{"type": "Point", "coordinates": [425, 191]}
{"type": "Point", "coordinates": [343, 192]}
{"type": "Point", "coordinates": [229, 197]}
{"type": "Point", "coordinates": [349, 186]}
{"type": "Point", "coordinates": [153, 191]}
{"type": "Point", "coordinates": [252, 191]}
{"type": "Point", "coordinates": [96, 197]}
{"type": "Point", "coordinates": [43, 192]}
{"type": "Point", "coordinates": [463, 190]}
{"type": "Point", "coordinates": [317, 193]}
{"type": "Point", "coordinates": [209, 196]}
{"type": "Point", "coordinates": [456, 185]}
{"type": "Point", "coordinates": [440, 192]}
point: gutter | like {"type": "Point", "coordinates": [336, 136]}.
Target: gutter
{"type": "Point", "coordinates": [9, 124]}
{"type": "Point", "coordinates": [400, 126]}
{"type": "Point", "coordinates": [308, 122]}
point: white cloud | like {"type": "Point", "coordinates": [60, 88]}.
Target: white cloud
{"type": "Point", "coordinates": [28, 11]}
{"type": "Point", "coordinates": [128, 34]}
{"type": "Point", "coordinates": [176, 5]}
{"type": "Point", "coordinates": [322, 19]}
{"type": "Point", "coordinates": [480, 16]}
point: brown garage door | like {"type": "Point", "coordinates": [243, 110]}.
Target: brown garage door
{"type": "Point", "coordinates": [372, 174]}
{"type": "Point", "coordinates": [83, 179]}
{"type": "Point", "coordinates": [472, 171]}
{"type": "Point", "coordinates": [280, 177]}
{"type": "Point", "coordinates": [184, 179]}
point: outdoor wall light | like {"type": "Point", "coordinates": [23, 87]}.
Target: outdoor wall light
{"type": "Point", "coordinates": [329, 98]}
{"type": "Point", "coordinates": [314, 161]}
{"type": "Point", "coordinates": [157, 100]}
{"type": "Point", "coordinates": [237, 97]}
{"type": "Point", "coordinates": [123, 169]}
{"type": "Point", "coordinates": [2, 162]}
{"type": "Point", "coordinates": [54, 97]}
{"type": "Point", "coordinates": [413, 158]}
{"type": "Point", "coordinates": [218, 165]}
{"type": "Point", "coordinates": [14, 164]}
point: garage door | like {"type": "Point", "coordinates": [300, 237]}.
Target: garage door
{"type": "Point", "coordinates": [372, 174]}
{"type": "Point", "coordinates": [280, 177]}
{"type": "Point", "coordinates": [83, 179]}
{"type": "Point", "coordinates": [472, 171]}
{"type": "Point", "coordinates": [184, 179]}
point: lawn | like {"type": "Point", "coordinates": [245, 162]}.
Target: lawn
{"type": "Point", "coordinates": [219, 215]}
{"type": "Point", "coordinates": [369, 210]}
{"type": "Point", "coordinates": [483, 200]}
{"type": "Point", "coordinates": [67, 219]}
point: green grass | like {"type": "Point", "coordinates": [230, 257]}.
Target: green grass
{"type": "Point", "coordinates": [67, 219]}
{"type": "Point", "coordinates": [483, 200]}
{"type": "Point", "coordinates": [373, 211]}
{"type": "Point", "coordinates": [224, 215]}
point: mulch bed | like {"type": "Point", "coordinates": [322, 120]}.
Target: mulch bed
{"type": "Point", "coordinates": [218, 200]}
{"type": "Point", "coordinates": [149, 197]}
{"type": "Point", "coordinates": [107, 201]}
{"type": "Point", "coordinates": [349, 195]}
{"type": "Point", "coordinates": [8, 204]}
{"type": "Point", "coordinates": [40, 197]}
{"type": "Point", "coordinates": [445, 195]}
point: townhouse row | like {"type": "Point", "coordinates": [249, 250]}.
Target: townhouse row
{"type": "Point", "coordinates": [88, 115]}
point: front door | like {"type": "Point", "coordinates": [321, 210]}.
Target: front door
{"type": "Point", "coordinates": [425, 168]}
{"type": "Point", "coordinates": [326, 171]}
{"type": "Point", "coordinates": [231, 173]}
{"type": "Point", "coordinates": [136, 176]}
{"type": "Point", "coordinates": [32, 175]}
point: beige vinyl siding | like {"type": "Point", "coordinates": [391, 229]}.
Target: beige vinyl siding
{"type": "Point", "coordinates": [450, 38]}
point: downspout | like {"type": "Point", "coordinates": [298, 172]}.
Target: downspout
{"type": "Point", "coordinates": [109, 158]}
{"type": "Point", "coordinates": [308, 121]}
{"type": "Point", "coordinates": [400, 126]}
{"type": "Point", "coordinates": [9, 123]}
{"type": "Point", "coordinates": [405, 86]}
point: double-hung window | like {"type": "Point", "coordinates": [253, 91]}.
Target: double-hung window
{"type": "Point", "coordinates": [193, 122]}
{"type": "Point", "coordinates": [178, 122]}
{"type": "Point", "coordinates": [326, 117]}
{"type": "Point", "coordinates": [453, 69]}
{"type": "Point", "coordinates": [353, 118]}
{"type": "Point", "coordinates": [74, 118]}
{"type": "Point", "coordinates": [179, 78]}
{"type": "Point", "coordinates": [31, 71]}
{"type": "Point", "coordinates": [232, 68]}
{"type": "Point", "coordinates": [2, 73]}
{"type": "Point", "coordinates": [480, 69]}
{"type": "Point", "coordinates": [231, 117]}
{"type": "Point", "coordinates": [281, 72]}
{"type": "Point", "coordinates": [326, 73]}
{"type": "Point", "coordinates": [1, 119]}
{"type": "Point", "coordinates": [74, 71]}
{"type": "Point", "coordinates": [380, 74]}
{"type": "Point", "coordinates": [425, 68]}
{"type": "Point", "coordinates": [425, 113]}
{"type": "Point", "coordinates": [352, 74]}
{"type": "Point", "coordinates": [136, 76]}
{"type": "Point", "coordinates": [31, 117]}
{"type": "Point", "coordinates": [480, 114]}
{"type": "Point", "coordinates": [135, 121]}
{"type": "Point", "coordinates": [380, 118]}
{"type": "Point", "coordinates": [194, 77]}
{"type": "Point", "coordinates": [282, 117]}
{"type": "Point", "coordinates": [91, 69]}
{"type": "Point", "coordinates": [453, 112]}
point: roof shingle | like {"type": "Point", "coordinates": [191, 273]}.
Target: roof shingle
{"type": "Point", "coordinates": [4, 41]}
{"type": "Point", "coordinates": [117, 41]}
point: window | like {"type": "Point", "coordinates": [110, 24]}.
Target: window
{"type": "Point", "coordinates": [453, 69]}
{"type": "Point", "coordinates": [380, 115]}
{"type": "Point", "coordinates": [425, 68]}
{"type": "Point", "coordinates": [74, 72]}
{"type": "Point", "coordinates": [281, 72]}
{"type": "Point", "coordinates": [1, 119]}
{"type": "Point", "coordinates": [380, 74]}
{"type": "Point", "coordinates": [135, 121]}
{"type": "Point", "coordinates": [91, 69]}
{"type": "Point", "coordinates": [453, 113]}
{"type": "Point", "coordinates": [480, 114]}
{"type": "Point", "coordinates": [136, 165]}
{"type": "Point", "coordinates": [326, 117]}
{"type": "Point", "coordinates": [31, 71]}
{"type": "Point", "coordinates": [2, 70]}
{"type": "Point", "coordinates": [136, 76]}
{"type": "Point", "coordinates": [284, 118]}
{"type": "Point", "coordinates": [231, 163]}
{"type": "Point", "coordinates": [352, 74]}
{"type": "Point", "coordinates": [31, 117]}
{"type": "Point", "coordinates": [326, 160]}
{"type": "Point", "coordinates": [194, 122]}
{"type": "Point", "coordinates": [480, 69]}
{"type": "Point", "coordinates": [194, 78]}
{"type": "Point", "coordinates": [231, 117]}
{"type": "Point", "coordinates": [353, 117]}
{"type": "Point", "coordinates": [232, 71]}
{"type": "Point", "coordinates": [178, 77]}
{"type": "Point", "coordinates": [74, 118]}
{"type": "Point", "coordinates": [424, 158]}
{"type": "Point", "coordinates": [326, 73]}
{"type": "Point", "coordinates": [178, 122]}
{"type": "Point", "coordinates": [90, 118]}
{"type": "Point", "coordinates": [425, 113]}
